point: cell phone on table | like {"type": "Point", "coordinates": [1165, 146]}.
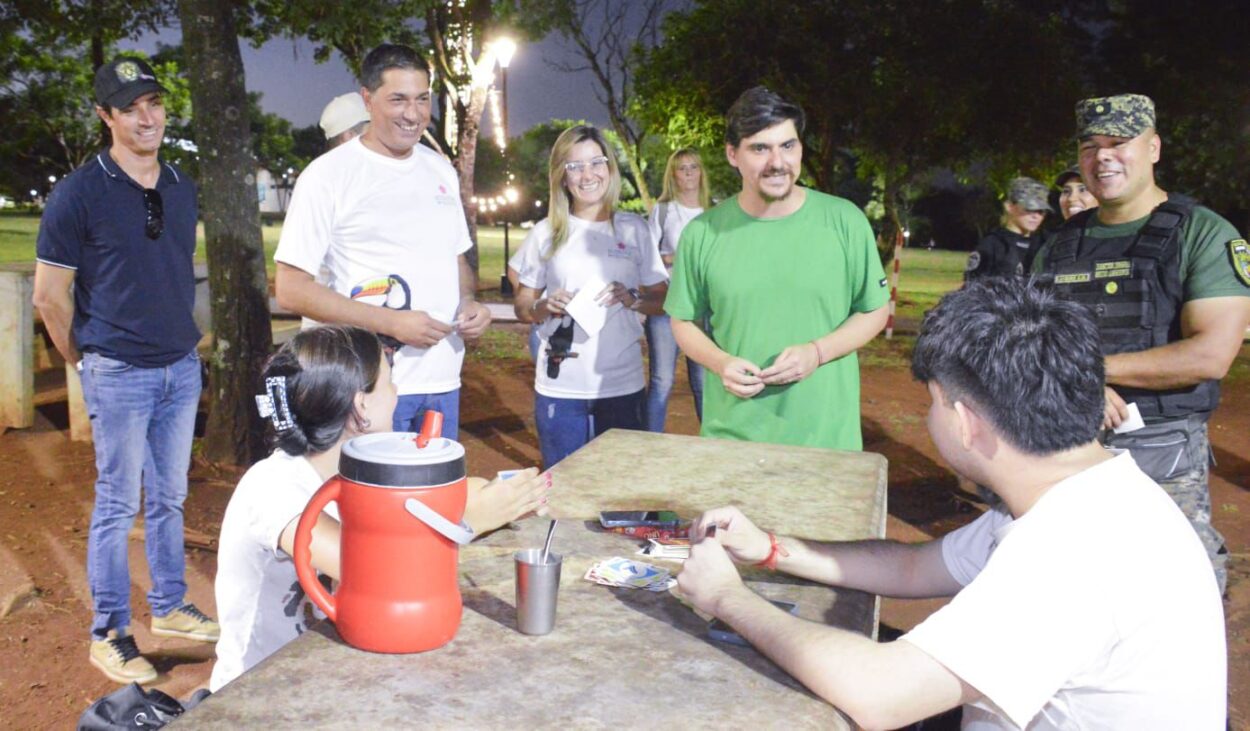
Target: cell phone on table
{"type": "Point", "coordinates": [649, 518]}
{"type": "Point", "coordinates": [722, 632]}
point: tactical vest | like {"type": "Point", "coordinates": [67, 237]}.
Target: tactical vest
{"type": "Point", "coordinates": [1132, 284]}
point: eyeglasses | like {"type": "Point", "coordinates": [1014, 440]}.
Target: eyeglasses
{"type": "Point", "coordinates": [596, 164]}
{"type": "Point", "coordinates": [154, 225]}
{"type": "Point", "coordinates": [689, 167]}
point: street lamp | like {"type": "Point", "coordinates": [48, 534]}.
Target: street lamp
{"type": "Point", "coordinates": [504, 48]}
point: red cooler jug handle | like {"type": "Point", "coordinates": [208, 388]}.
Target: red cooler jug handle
{"type": "Point", "coordinates": [303, 548]}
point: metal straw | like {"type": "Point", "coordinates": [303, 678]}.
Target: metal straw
{"type": "Point", "coordinates": [551, 531]}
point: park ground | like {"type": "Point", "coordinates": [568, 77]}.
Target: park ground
{"type": "Point", "coordinates": [46, 494]}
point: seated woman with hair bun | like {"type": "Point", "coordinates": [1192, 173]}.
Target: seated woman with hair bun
{"type": "Point", "coordinates": [329, 384]}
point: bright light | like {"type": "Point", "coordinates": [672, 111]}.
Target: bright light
{"type": "Point", "coordinates": [906, 234]}
{"type": "Point", "coordinates": [538, 204]}
{"type": "Point", "coordinates": [511, 194]}
{"type": "Point", "coordinates": [33, 193]}
{"type": "Point", "coordinates": [501, 134]}
{"type": "Point", "coordinates": [51, 178]}
{"type": "Point", "coordinates": [504, 48]}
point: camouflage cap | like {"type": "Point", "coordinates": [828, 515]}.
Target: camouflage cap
{"type": "Point", "coordinates": [1028, 194]}
{"type": "Point", "coordinates": [1123, 115]}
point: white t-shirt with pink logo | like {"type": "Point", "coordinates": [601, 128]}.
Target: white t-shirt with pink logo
{"type": "Point", "coordinates": [387, 232]}
{"type": "Point", "coordinates": [623, 250]}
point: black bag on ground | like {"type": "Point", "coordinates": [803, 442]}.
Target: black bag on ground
{"type": "Point", "coordinates": [128, 708]}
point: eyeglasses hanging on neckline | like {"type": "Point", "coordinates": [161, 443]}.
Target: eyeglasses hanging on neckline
{"type": "Point", "coordinates": [154, 207]}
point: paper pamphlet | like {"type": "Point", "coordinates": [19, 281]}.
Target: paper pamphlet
{"type": "Point", "coordinates": [586, 312]}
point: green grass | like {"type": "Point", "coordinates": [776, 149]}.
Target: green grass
{"type": "Point", "coordinates": [18, 232]}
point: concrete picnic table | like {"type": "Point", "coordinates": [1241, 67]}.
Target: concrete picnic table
{"type": "Point", "coordinates": [616, 656]}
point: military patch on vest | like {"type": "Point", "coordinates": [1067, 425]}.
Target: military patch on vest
{"type": "Point", "coordinates": [1116, 269]}
{"type": "Point", "coordinates": [1111, 288]}
{"type": "Point", "coordinates": [1077, 278]}
{"type": "Point", "coordinates": [974, 261]}
{"type": "Point", "coordinates": [1239, 255]}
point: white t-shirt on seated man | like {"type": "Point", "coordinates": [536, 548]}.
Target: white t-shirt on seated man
{"type": "Point", "coordinates": [1087, 603]}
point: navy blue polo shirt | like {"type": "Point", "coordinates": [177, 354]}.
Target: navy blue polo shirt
{"type": "Point", "coordinates": [133, 296]}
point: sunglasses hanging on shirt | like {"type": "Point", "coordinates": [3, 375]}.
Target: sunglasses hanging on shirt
{"type": "Point", "coordinates": [154, 207]}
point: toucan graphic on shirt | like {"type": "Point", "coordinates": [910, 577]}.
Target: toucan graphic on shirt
{"type": "Point", "coordinates": [391, 292]}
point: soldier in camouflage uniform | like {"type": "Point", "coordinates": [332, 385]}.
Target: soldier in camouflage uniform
{"type": "Point", "coordinates": [1169, 281]}
{"type": "Point", "coordinates": [1009, 250]}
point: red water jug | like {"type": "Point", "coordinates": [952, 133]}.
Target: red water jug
{"type": "Point", "coordinates": [400, 507]}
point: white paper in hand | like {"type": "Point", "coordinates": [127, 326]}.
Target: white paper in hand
{"type": "Point", "coordinates": [586, 311]}
{"type": "Point", "coordinates": [1133, 422]}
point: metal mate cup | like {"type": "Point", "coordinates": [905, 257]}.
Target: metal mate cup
{"type": "Point", "coordinates": [537, 586]}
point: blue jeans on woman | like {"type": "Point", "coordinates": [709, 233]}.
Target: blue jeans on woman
{"type": "Point", "coordinates": [566, 424]}
{"type": "Point", "coordinates": [662, 349]}
{"type": "Point", "coordinates": [142, 422]}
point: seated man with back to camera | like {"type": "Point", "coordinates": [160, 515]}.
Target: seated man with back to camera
{"type": "Point", "coordinates": [1083, 600]}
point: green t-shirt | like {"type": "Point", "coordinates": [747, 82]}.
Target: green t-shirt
{"type": "Point", "coordinates": [1207, 269]}
{"type": "Point", "coordinates": [767, 284]}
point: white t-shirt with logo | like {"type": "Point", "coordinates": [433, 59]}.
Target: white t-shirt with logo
{"type": "Point", "coordinates": [388, 232]}
{"type": "Point", "coordinates": [1096, 609]}
{"type": "Point", "coordinates": [260, 603]}
{"type": "Point", "coordinates": [608, 364]}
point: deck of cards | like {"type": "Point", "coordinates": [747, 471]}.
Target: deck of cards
{"type": "Point", "coordinates": [673, 549]}
{"type": "Point", "coordinates": [629, 574]}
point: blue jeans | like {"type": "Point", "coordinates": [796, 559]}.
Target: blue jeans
{"type": "Point", "coordinates": [662, 350]}
{"type": "Point", "coordinates": [411, 408]}
{"type": "Point", "coordinates": [142, 421]}
{"type": "Point", "coordinates": [565, 424]}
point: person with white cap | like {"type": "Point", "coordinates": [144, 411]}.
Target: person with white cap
{"type": "Point", "coordinates": [344, 118]}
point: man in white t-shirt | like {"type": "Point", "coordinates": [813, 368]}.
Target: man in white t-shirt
{"type": "Point", "coordinates": [1082, 602]}
{"type": "Point", "coordinates": [382, 214]}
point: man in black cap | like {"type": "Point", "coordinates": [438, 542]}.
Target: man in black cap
{"type": "Point", "coordinates": [1169, 281]}
{"type": "Point", "coordinates": [115, 285]}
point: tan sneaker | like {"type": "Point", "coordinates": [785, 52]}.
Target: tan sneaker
{"type": "Point", "coordinates": [187, 622]}
{"type": "Point", "coordinates": [118, 657]}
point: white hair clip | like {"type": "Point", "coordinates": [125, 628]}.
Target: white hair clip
{"type": "Point", "coordinates": [273, 405]}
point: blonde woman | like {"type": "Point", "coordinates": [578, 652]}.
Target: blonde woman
{"type": "Point", "coordinates": [587, 382]}
{"type": "Point", "coordinates": [684, 196]}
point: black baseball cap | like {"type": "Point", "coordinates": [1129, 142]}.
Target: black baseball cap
{"type": "Point", "coordinates": [1066, 175]}
{"type": "Point", "coordinates": [126, 78]}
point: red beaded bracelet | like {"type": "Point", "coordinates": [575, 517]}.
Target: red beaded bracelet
{"type": "Point", "coordinates": [775, 551]}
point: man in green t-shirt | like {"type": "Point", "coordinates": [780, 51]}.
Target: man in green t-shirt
{"type": "Point", "coordinates": [789, 281]}
{"type": "Point", "coordinates": [1169, 282]}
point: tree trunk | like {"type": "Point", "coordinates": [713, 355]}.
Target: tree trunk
{"type": "Point", "coordinates": [470, 125]}
{"type": "Point", "coordinates": [891, 224]}
{"type": "Point", "coordinates": [242, 338]}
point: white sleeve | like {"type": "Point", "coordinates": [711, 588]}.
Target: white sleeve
{"type": "Point", "coordinates": [309, 223]}
{"type": "Point", "coordinates": [1032, 619]}
{"type": "Point", "coordinates": [651, 269]}
{"type": "Point", "coordinates": [654, 220]}
{"type": "Point", "coordinates": [274, 501]}
{"type": "Point", "coordinates": [531, 269]}
{"type": "Point", "coordinates": [965, 551]}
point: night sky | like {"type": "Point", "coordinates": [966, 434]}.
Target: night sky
{"type": "Point", "coordinates": [297, 88]}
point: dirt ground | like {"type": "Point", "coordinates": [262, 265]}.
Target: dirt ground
{"type": "Point", "coordinates": [46, 495]}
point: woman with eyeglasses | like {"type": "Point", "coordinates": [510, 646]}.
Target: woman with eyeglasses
{"type": "Point", "coordinates": [589, 375]}
{"type": "Point", "coordinates": [684, 196]}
